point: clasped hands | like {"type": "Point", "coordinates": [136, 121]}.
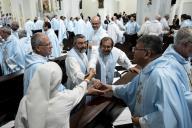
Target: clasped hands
{"type": "Point", "coordinates": [97, 88]}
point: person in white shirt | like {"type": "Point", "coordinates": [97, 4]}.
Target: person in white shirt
{"type": "Point", "coordinates": [98, 32]}
{"type": "Point", "coordinates": [56, 49]}
{"type": "Point", "coordinates": [155, 27]}
{"type": "Point", "coordinates": [96, 35]}
{"type": "Point", "coordinates": [25, 41]}
{"type": "Point", "coordinates": [76, 62]}
{"type": "Point", "coordinates": [185, 21]}
{"type": "Point", "coordinates": [14, 29]}
{"type": "Point", "coordinates": [144, 28]}
{"type": "Point", "coordinates": [38, 25]}
{"type": "Point", "coordinates": [80, 26]}
{"type": "Point", "coordinates": [29, 27]}
{"type": "Point", "coordinates": [62, 32]}
{"type": "Point", "coordinates": [12, 57]}
{"type": "Point", "coordinates": [55, 24]}
{"type": "Point", "coordinates": [165, 24]}
{"type": "Point", "coordinates": [70, 26]}
{"type": "Point", "coordinates": [105, 60]}
{"type": "Point", "coordinates": [89, 29]}
{"type": "Point", "coordinates": [114, 32]}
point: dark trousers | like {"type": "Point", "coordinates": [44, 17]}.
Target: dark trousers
{"type": "Point", "coordinates": [57, 33]}
{"type": "Point", "coordinates": [130, 40]}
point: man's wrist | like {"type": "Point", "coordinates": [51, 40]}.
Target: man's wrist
{"type": "Point", "coordinates": [87, 80]}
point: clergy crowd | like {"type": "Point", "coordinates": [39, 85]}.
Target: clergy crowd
{"type": "Point", "coordinates": [159, 95]}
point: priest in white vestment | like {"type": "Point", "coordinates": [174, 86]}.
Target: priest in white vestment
{"type": "Point", "coordinates": [114, 31]}
{"type": "Point", "coordinates": [25, 41]}
{"type": "Point", "coordinates": [80, 27]}
{"type": "Point", "coordinates": [11, 55]}
{"type": "Point", "coordinates": [105, 60]}
{"type": "Point", "coordinates": [155, 27]}
{"type": "Point", "coordinates": [29, 24]}
{"type": "Point", "coordinates": [144, 28]}
{"type": "Point", "coordinates": [62, 32]}
{"type": "Point", "coordinates": [76, 62]}
{"type": "Point", "coordinates": [56, 50]}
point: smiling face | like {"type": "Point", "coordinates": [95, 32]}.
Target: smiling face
{"type": "Point", "coordinates": [95, 21]}
{"type": "Point", "coordinates": [106, 46]}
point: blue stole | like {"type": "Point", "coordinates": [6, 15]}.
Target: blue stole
{"type": "Point", "coordinates": [83, 61]}
{"type": "Point", "coordinates": [105, 68]}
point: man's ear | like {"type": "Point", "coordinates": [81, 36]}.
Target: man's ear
{"type": "Point", "coordinates": [37, 49]}
{"type": "Point", "coordinates": [148, 54]}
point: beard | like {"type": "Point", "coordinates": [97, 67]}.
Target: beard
{"type": "Point", "coordinates": [82, 50]}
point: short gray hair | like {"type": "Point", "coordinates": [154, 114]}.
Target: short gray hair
{"type": "Point", "coordinates": [6, 29]}
{"type": "Point", "coordinates": [183, 35]}
{"type": "Point", "coordinates": [151, 42]}
{"type": "Point", "coordinates": [77, 37]}
{"type": "Point", "coordinates": [22, 33]}
{"type": "Point", "coordinates": [37, 39]}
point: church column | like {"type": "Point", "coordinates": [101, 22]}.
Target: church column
{"type": "Point", "coordinates": [161, 7]}
{"type": "Point", "coordinates": [75, 11]}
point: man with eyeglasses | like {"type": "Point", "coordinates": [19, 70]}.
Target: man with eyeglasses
{"type": "Point", "coordinates": [42, 48]}
{"type": "Point", "coordinates": [105, 59]}
{"type": "Point", "coordinates": [155, 96]}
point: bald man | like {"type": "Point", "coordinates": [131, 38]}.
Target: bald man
{"type": "Point", "coordinates": [96, 35]}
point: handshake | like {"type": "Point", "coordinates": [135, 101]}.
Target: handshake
{"type": "Point", "coordinates": [97, 87]}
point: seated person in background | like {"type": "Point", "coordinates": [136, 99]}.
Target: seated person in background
{"type": "Point", "coordinates": [155, 96]}
{"type": "Point", "coordinates": [105, 60]}
{"type": "Point", "coordinates": [12, 57]}
{"type": "Point", "coordinates": [44, 106]}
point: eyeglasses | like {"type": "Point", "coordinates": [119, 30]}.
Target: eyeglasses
{"type": "Point", "coordinates": [106, 47]}
{"type": "Point", "coordinates": [138, 49]}
{"type": "Point", "coordinates": [45, 45]}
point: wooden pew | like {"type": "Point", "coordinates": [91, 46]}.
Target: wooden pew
{"type": "Point", "coordinates": [90, 115]}
{"type": "Point", "coordinates": [61, 62]}
{"type": "Point", "coordinates": [11, 92]}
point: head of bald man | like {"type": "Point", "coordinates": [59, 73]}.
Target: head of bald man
{"type": "Point", "coordinates": [96, 22]}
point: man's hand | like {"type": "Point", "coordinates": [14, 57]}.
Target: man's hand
{"type": "Point", "coordinates": [96, 84]}
{"type": "Point", "coordinates": [105, 88]}
{"type": "Point", "coordinates": [134, 69]}
{"type": "Point", "coordinates": [135, 121]}
{"type": "Point", "coordinates": [99, 89]}
{"type": "Point", "coordinates": [90, 75]}
{"type": "Point", "coordinates": [94, 91]}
